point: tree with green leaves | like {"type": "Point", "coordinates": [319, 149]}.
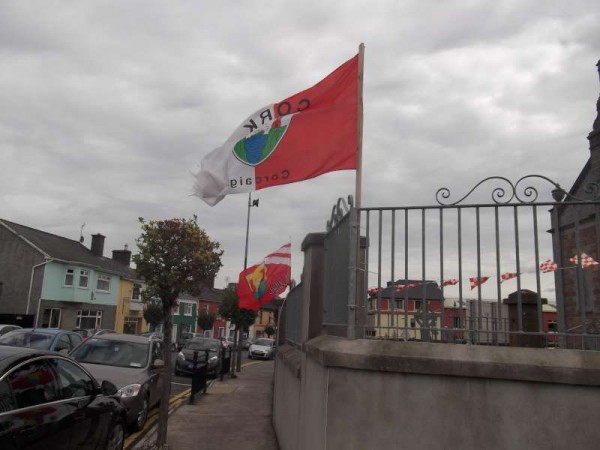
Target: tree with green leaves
{"type": "Point", "coordinates": [206, 320]}
{"type": "Point", "coordinates": [242, 319]}
{"type": "Point", "coordinates": [269, 331]}
{"type": "Point", "coordinates": [153, 311]}
{"type": "Point", "coordinates": [175, 256]}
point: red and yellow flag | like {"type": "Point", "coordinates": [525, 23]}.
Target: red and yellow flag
{"type": "Point", "coordinates": [262, 282]}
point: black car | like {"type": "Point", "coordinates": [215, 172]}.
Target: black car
{"type": "Point", "coordinates": [208, 351]}
{"type": "Point", "coordinates": [47, 400]}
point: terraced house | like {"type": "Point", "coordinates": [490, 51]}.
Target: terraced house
{"type": "Point", "coordinates": [51, 281]}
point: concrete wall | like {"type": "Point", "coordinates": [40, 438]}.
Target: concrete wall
{"type": "Point", "coordinates": [368, 394]}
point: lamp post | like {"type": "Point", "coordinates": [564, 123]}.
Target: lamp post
{"type": "Point", "coordinates": [237, 336]}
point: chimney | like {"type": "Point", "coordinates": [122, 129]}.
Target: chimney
{"type": "Point", "coordinates": [98, 244]}
{"type": "Point", "coordinates": [122, 256]}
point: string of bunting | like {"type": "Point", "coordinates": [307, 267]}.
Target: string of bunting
{"type": "Point", "coordinates": [583, 260]}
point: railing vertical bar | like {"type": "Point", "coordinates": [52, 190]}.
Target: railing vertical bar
{"type": "Point", "coordinates": [558, 278]}
{"type": "Point", "coordinates": [479, 302]}
{"type": "Point", "coordinates": [498, 276]}
{"type": "Point", "coordinates": [424, 305]}
{"type": "Point", "coordinates": [406, 334]}
{"type": "Point", "coordinates": [379, 250]}
{"type": "Point", "coordinates": [579, 284]}
{"type": "Point", "coordinates": [517, 263]}
{"type": "Point", "coordinates": [393, 274]}
{"type": "Point", "coordinates": [461, 313]}
{"type": "Point", "coordinates": [538, 283]}
{"type": "Point", "coordinates": [442, 307]}
{"type": "Point", "coordinates": [368, 310]}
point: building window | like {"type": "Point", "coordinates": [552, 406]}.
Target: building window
{"type": "Point", "coordinates": [51, 318]}
{"type": "Point", "coordinates": [69, 276]}
{"type": "Point", "coordinates": [136, 293]}
{"type": "Point", "coordinates": [412, 323]}
{"type": "Point", "coordinates": [456, 322]}
{"type": "Point", "coordinates": [103, 283]}
{"type": "Point", "coordinates": [189, 309]}
{"type": "Point", "coordinates": [87, 319]}
{"type": "Point", "coordinates": [552, 326]}
{"type": "Point", "coordinates": [207, 333]}
{"type": "Point", "coordinates": [130, 325]}
{"type": "Point", "coordinates": [84, 277]}
{"type": "Point", "coordinates": [205, 309]}
{"type": "Point", "coordinates": [399, 304]}
{"type": "Point", "coordinates": [221, 331]}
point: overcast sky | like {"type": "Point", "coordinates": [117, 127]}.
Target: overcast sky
{"type": "Point", "coordinates": [107, 107]}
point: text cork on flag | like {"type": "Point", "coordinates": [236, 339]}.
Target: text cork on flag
{"type": "Point", "coordinates": [262, 282]}
{"type": "Point", "coordinates": [306, 135]}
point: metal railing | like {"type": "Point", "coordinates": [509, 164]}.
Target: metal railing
{"type": "Point", "coordinates": [485, 257]}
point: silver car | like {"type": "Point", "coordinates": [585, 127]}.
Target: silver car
{"type": "Point", "coordinates": [132, 363]}
{"type": "Point", "coordinates": [262, 348]}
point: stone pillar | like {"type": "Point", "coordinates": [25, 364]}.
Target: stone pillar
{"type": "Point", "coordinates": [313, 281]}
{"type": "Point", "coordinates": [530, 319]}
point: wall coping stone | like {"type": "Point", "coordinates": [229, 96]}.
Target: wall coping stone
{"type": "Point", "coordinates": [576, 367]}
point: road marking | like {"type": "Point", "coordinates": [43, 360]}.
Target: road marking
{"type": "Point", "coordinates": [180, 384]}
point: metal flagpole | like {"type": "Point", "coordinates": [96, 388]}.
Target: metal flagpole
{"type": "Point", "coordinates": [355, 261]}
{"type": "Point", "coordinates": [237, 334]}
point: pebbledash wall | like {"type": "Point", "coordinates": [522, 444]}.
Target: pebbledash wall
{"type": "Point", "coordinates": [335, 393]}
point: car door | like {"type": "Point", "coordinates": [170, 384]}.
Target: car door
{"type": "Point", "coordinates": [90, 414]}
{"type": "Point", "coordinates": [35, 418]}
{"type": "Point", "coordinates": [157, 375]}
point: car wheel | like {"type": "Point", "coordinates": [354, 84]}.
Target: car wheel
{"type": "Point", "coordinates": [116, 438]}
{"type": "Point", "coordinates": [143, 414]}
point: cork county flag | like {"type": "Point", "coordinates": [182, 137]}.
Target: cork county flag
{"type": "Point", "coordinates": [303, 136]}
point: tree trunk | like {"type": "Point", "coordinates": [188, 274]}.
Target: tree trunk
{"type": "Point", "coordinates": [163, 420]}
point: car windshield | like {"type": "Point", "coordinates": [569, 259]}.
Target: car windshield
{"type": "Point", "coordinates": [40, 341]}
{"type": "Point", "coordinates": [202, 345]}
{"type": "Point", "coordinates": [112, 353]}
{"type": "Point", "coordinates": [264, 342]}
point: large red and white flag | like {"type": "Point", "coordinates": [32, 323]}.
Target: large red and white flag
{"type": "Point", "coordinates": [303, 136]}
{"type": "Point", "coordinates": [262, 282]}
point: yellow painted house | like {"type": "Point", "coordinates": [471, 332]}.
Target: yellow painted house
{"type": "Point", "coordinates": [129, 315]}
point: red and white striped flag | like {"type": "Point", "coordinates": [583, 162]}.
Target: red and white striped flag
{"type": "Point", "coordinates": [477, 281]}
{"type": "Point", "coordinates": [507, 276]}
{"type": "Point", "coordinates": [450, 282]}
{"type": "Point", "coordinates": [548, 266]}
{"type": "Point", "coordinates": [262, 282]}
{"type": "Point", "coordinates": [586, 260]}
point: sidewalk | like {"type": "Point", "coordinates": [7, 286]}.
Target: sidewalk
{"type": "Point", "coordinates": [234, 414]}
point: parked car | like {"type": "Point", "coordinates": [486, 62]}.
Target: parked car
{"type": "Point", "coordinates": [42, 339]}
{"type": "Point", "coordinates": [49, 401]}
{"type": "Point", "coordinates": [158, 335]}
{"type": "Point", "coordinates": [5, 328]}
{"type": "Point", "coordinates": [84, 333]}
{"type": "Point", "coordinates": [132, 363]}
{"type": "Point", "coordinates": [186, 336]}
{"type": "Point", "coordinates": [102, 331]}
{"type": "Point", "coordinates": [262, 348]}
{"type": "Point", "coordinates": [246, 343]}
{"type": "Point", "coordinates": [185, 358]}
